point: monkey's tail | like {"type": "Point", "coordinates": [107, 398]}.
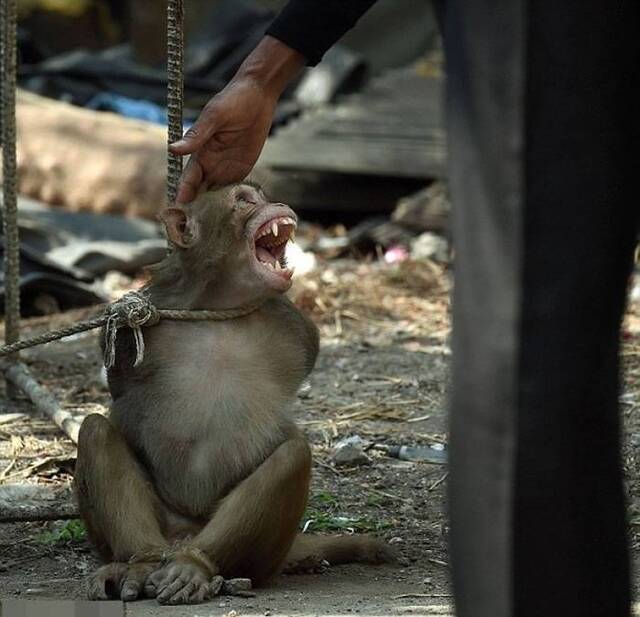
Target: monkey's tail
{"type": "Point", "coordinates": [311, 553]}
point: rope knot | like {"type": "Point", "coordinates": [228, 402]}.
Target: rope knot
{"type": "Point", "coordinates": [134, 310]}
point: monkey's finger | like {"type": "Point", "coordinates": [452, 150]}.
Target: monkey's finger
{"type": "Point", "coordinates": [184, 595]}
{"type": "Point", "coordinates": [157, 576]}
{"type": "Point", "coordinates": [169, 591]}
{"type": "Point", "coordinates": [154, 582]}
{"type": "Point", "coordinates": [174, 572]}
{"type": "Point", "coordinates": [190, 181]}
{"type": "Point", "coordinates": [201, 594]}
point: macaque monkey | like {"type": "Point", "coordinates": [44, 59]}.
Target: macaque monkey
{"type": "Point", "coordinates": [199, 470]}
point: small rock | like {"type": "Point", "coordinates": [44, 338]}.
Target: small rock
{"type": "Point", "coordinates": [425, 210]}
{"type": "Point", "coordinates": [430, 246]}
{"type": "Point", "coordinates": [305, 389]}
{"type": "Point", "coordinates": [215, 585]}
{"type": "Point", "coordinates": [396, 540]}
{"type": "Point", "coordinates": [349, 455]}
{"type": "Point", "coordinates": [233, 586]}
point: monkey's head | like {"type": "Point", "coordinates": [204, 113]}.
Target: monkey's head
{"type": "Point", "coordinates": [233, 239]}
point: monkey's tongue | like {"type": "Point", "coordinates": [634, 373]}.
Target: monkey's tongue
{"type": "Point", "coordinates": [264, 255]}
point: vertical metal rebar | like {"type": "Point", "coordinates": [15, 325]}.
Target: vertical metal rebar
{"type": "Point", "coordinates": [175, 91]}
{"type": "Point", "coordinates": [8, 13]}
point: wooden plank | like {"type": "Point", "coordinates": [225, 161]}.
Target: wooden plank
{"type": "Point", "coordinates": [393, 128]}
{"type": "Point", "coordinates": [358, 157]}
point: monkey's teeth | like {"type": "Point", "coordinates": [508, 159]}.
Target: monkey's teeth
{"type": "Point", "coordinates": [274, 228]}
{"type": "Point", "coordinates": [278, 266]}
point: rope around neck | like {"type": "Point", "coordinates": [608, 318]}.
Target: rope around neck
{"type": "Point", "coordinates": [134, 310]}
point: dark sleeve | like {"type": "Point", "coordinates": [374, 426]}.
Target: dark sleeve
{"type": "Point", "coordinates": [311, 27]}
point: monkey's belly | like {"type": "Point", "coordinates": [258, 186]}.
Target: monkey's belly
{"type": "Point", "coordinates": [193, 475]}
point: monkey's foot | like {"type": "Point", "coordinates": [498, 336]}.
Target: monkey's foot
{"type": "Point", "coordinates": [180, 582]}
{"type": "Point", "coordinates": [122, 581]}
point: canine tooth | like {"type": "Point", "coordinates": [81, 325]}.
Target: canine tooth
{"type": "Point", "coordinates": [274, 228]}
{"type": "Point", "coordinates": [278, 266]}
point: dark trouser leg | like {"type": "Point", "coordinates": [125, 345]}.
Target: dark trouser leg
{"type": "Point", "coordinates": [543, 136]}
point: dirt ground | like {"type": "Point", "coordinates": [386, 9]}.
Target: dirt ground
{"type": "Point", "coordinates": [382, 375]}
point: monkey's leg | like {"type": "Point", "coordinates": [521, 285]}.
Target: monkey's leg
{"type": "Point", "coordinates": [119, 508]}
{"type": "Point", "coordinates": [253, 527]}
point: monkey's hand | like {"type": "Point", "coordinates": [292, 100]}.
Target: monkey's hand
{"type": "Point", "coordinates": [227, 138]}
{"type": "Point", "coordinates": [184, 579]}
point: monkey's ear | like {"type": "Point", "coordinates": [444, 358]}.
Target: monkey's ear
{"type": "Point", "coordinates": [179, 226]}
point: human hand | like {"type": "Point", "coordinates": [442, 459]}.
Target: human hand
{"type": "Point", "coordinates": [227, 138]}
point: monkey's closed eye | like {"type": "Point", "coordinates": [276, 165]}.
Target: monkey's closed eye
{"type": "Point", "coordinates": [241, 202]}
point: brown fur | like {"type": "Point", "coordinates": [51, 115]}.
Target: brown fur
{"type": "Point", "coordinates": [199, 469]}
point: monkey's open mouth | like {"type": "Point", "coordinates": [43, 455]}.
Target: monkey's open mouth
{"type": "Point", "coordinates": [270, 242]}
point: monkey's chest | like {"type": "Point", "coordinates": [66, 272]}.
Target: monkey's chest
{"type": "Point", "coordinates": [211, 412]}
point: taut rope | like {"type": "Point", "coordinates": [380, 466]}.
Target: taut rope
{"type": "Point", "coordinates": [134, 310]}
